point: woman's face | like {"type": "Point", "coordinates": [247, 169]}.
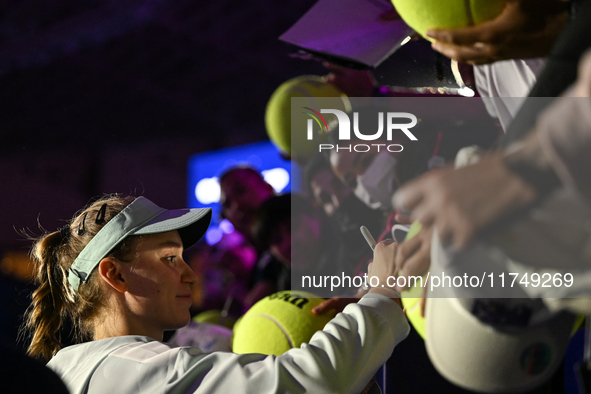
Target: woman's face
{"type": "Point", "coordinates": [160, 283]}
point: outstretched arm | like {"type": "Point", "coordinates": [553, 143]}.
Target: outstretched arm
{"type": "Point", "coordinates": [463, 202]}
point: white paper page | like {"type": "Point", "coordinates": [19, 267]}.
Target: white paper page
{"type": "Point", "coordinates": [350, 29]}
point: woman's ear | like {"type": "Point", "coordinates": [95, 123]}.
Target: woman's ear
{"type": "Point", "coordinates": [111, 272]}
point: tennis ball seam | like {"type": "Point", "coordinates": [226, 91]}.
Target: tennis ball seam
{"type": "Point", "coordinates": [279, 325]}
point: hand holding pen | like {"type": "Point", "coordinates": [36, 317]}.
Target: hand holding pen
{"type": "Point", "coordinates": [383, 265]}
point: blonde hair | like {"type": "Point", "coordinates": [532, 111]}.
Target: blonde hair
{"type": "Point", "coordinates": [54, 299]}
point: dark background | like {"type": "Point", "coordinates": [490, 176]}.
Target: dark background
{"type": "Point", "coordinates": [110, 96]}
{"type": "Point", "coordinates": [115, 96]}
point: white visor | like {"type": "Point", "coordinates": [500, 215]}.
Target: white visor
{"type": "Point", "coordinates": [140, 217]}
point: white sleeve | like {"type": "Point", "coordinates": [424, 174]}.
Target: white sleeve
{"type": "Point", "coordinates": [341, 358]}
{"type": "Point", "coordinates": [481, 79]}
{"type": "Point", "coordinates": [504, 85]}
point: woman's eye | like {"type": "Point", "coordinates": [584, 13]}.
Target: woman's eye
{"type": "Point", "coordinates": [171, 258]}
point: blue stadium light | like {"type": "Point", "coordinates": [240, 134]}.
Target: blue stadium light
{"type": "Point", "coordinates": [206, 168]}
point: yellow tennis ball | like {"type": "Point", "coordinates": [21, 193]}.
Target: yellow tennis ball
{"type": "Point", "coordinates": [278, 114]}
{"type": "Point", "coordinates": [214, 316]}
{"type": "Point", "coordinates": [423, 15]}
{"type": "Point", "coordinates": [412, 297]}
{"type": "Point", "coordinates": [412, 305]}
{"type": "Point", "coordinates": [278, 323]}
{"type": "Point", "coordinates": [414, 229]}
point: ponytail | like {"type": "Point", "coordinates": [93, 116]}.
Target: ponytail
{"type": "Point", "coordinates": [51, 300]}
{"type": "Point", "coordinates": [55, 299]}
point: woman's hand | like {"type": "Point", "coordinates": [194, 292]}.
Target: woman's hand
{"type": "Point", "coordinates": [383, 268]}
{"type": "Point", "coordinates": [383, 265]}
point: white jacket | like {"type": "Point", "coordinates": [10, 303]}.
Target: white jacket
{"type": "Point", "coordinates": [342, 358]}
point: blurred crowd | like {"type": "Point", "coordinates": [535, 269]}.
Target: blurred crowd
{"type": "Point", "coordinates": [468, 185]}
{"type": "Point", "coordinates": [472, 180]}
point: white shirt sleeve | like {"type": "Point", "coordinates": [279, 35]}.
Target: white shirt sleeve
{"type": "Point", "coordinates": [341, 358]}
{"type": "Point", "coordinates": [504, 85]}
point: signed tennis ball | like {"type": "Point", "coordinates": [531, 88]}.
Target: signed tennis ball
{"type": "Point", "coordinates": [278, 115]}
{"type": "Point", "coordinates": [411, 299]}
{"type": "Point", "coordinates": [278, 323]}
{"type": "Point", "coordinates": [423, 15]}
